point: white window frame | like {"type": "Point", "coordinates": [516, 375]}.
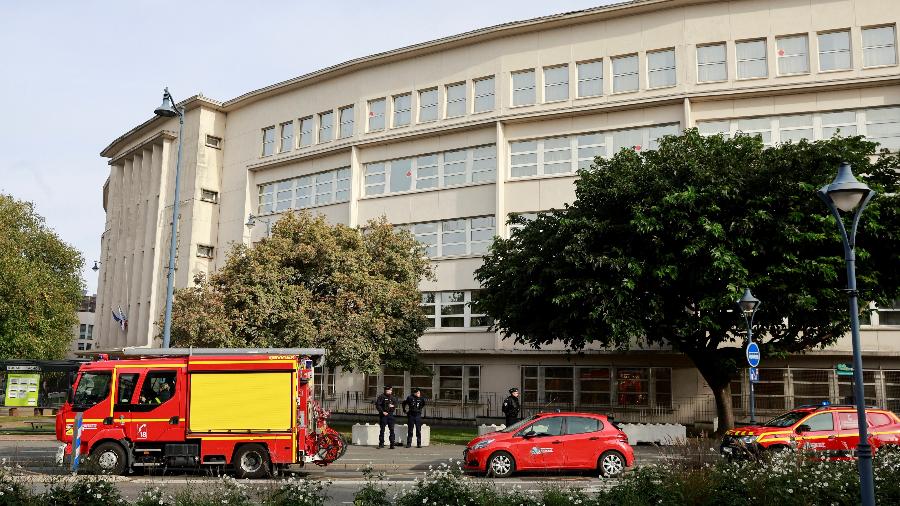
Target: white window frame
{"type": "Point", "coordinates": [304, 188]}
{"type": "Point", "coordinates": [268, 145]}
{"type": "Point", "coordinates": [849, 50]}
{"type": "Point", "coordinates": [583, 64]}
{"type": "Point", "coordinates": [342, 124]}
{"type": "Point", "coordinates": [377, 174]}
{"type": "Point", "coordinates": [673, 68]}
{"type": "Point", "coordinates": [739, 60]}
{"type": "Point", "coordinates": [322, 129]}
{"type": "Point", "coordinates": [290, 139]}
{"type": "Point", "coordinates": [305, 131]}
{"type": "Point", "coordinates": [637, 72]}
{"type": "Point", "coordinates": [476, 95]}
{"type": "Point", "coordinates": [373, 116]}
{"type": "Point", "coordinates": [514, 89]}
{"type": "Point", "coordinates": [454, 102]}
{"type": "Point", "coordinates": [205, 251]}
{"type": "Point", "coordinates": [892, 45]}
{"type": "Point", "coordinates": [432, 108]}
{"type": "Point", "coordinates": [778, 56]}
{"type": "Point", "coordinates": [396, 111]}
{"type": "Point", "coordinates": [550, 86]}
{"type": "Point", "coordinates": [211, 196]}
{"type": "Point", "coordinates": [723, 63]}
{"type": "Point", "coordinates": [438, 230]}
{"type": "Point", "coordinates": [436, 303]}
{"type": "Point", "coordinates": [213, 142]}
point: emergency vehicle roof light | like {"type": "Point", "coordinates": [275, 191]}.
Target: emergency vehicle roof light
{"type": "Point", "coordinates": [180, 352]}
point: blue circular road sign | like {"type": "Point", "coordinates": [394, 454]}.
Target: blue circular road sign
{"type": "Point", "coordinates": [753, 354]}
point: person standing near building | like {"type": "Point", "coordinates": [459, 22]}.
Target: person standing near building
{"type": "Point", "coordinates": [511, 407]}
{"type": "Point", "coordinates": [414, 405]}
{"type": "Point", "coordinates": [386, 404]}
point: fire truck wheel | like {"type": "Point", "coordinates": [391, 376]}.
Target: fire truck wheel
{"type": "Point", "coordinates": [108, 458]}
{"type": "Point", "coordinates": [251, 461]}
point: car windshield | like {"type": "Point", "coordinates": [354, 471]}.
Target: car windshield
{"type": "Point", "coordinates": [92, 388]}
{"type": "Point", "coordinates": [518, 425]}
{"type": "Point", "coordinates": [786, 420]}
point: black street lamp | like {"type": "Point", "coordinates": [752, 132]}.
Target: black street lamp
{"type": "Point", "coordinates": [847, 194]}
{"type": "Point", "coordinates": [748, 305]}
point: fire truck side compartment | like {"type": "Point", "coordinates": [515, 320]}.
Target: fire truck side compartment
{"type": "Point", "coordinates": [240, 402]}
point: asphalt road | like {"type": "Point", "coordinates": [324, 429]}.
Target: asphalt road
{"type": "Point", "coordinates": [36, 461]}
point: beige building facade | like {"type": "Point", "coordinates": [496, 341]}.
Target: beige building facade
{"type": "Point", "coordinates": [450, 137]}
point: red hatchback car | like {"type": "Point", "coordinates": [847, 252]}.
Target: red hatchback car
{"type": "Point", "coordinates": [552, 441]}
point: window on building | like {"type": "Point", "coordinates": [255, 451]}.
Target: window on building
{"type": "Point", "coordinates": [326, 124]}
{"type": "Point", "coordinates": [590, 78]}
{"type": "Point", "coordinates": [737, 392]}
{"type": "Point", "coordinates": [796, 127]}
{"type": "Point", "coordinates": [770, 390]}
{"type": "Point", "coordinates": [889, 314]}
{"type": "Point", "coordinates": [892, 390]}
{"type": "Point", "coordinates": [371, 383]}
{"type": "Point", "coordinates": [633, 386]}
{"type": "Point", "coordinates": [425, 383]}
{"type": "Point", "coordinates": [434, 170]}
{"type": "Point", "coordinates": [661, 68]}
{"type": "Point", "coordinates": [523, 87]}
{"type": "Point", "coordinates": [656, 133]}
{"type": "Point", "coordinates": [306, 131]}
{"type": "Point", "coordinates": [324, 187]}
{"type": "Point", "coordinates": [209, 196]}
{"type": "Point", "coordinates": [90, 333]}
{"type": "Point", "coordinates": [590, 146]}
{"type": "Point", "coordinates": [594, 385]}
{"type": "Point", "coordinates": [558, 385]}
{"type": "Point", "coordinates": [662, 386]}
{"type": "Point", "coordinates": [757, 126]}
{"type": "Point", "coordinates": [402, 108]}
{"type": "Point", "coordinates": [556, 83]}
{"type": "Point", "coordinates": [625, 73]}
{"type": "Point", "coordinates": [80, 346]}
{"type": "Point", "coordinates": [450, 382]}
{"type": "Point", "coordinates": [712, 65]}
{"type": "Point", "coordinates": [834, 51]}
{"type": "Point", "coordinates": [483, 89]}
{"type": "Point", "coordinates": [465, 236]}
{"type": "Point", "coordinates": [346, 118]}
{"type": "Point", "coordinates": [204, 251]}
{"type": "Point", "coordinates": [879, 46]}
{"type": "Point", "coordinates": [305, 191]}
{"type": "Point", "coordinates": [323, 382]}
{"type": "Point", "coordinates": [523, 158]}
{"type": "Point", "coordinates": [883, 127]}
{"type": "Point", "coordinates": [428, 105]}
{"type": "Point", "coordinates": [793, 54]}
{"type": "Point", "coordinates": [715, 128]}
{"type": "Point", "coordinates": [530, 381]}
{"type": "Point", "coordinates": [287, 137]}
{"type": "Point", "coordinates": [752, 61]}
{"type": "Point", "coordinates": [214, 142]}
{"type": "Point", "coordinates": [376, 114]}
{"type": "Point", "coordinates": [811, 386]}
{"type": "Point", "coordinates": [456, 100]}
{"type": "Point", "coordinates": [268, 146]}
{"type": "Point", "coordinates": [841, 123]}
{"type": "Point", "coordinates": [395, 378]}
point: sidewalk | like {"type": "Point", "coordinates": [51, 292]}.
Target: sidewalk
{"type": "Point", "coordinates": [400, 458]}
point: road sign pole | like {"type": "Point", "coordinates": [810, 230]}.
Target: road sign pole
{"type": "Point", "coordinates": [76, 442]}
{"type": "Point", "coordinates": [753, 356]}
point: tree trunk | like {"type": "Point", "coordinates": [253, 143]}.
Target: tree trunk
{"type": "Point", "coordinates": [719, 381]}
{"type": "Point", "coordinates": [724, 411]}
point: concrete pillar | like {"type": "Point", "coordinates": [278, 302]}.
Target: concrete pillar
{"type": "Point", "coordinates": [688, 121]}
{"type": "Point", "coordinates": [356, 181]}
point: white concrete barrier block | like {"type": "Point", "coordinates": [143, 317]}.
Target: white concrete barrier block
{"type": "Point", "coordinates": [487, 429]}
{"type": "Point", "coordinates": [659, 433]}
{"type": "Point", "coordinates": [367, 434]}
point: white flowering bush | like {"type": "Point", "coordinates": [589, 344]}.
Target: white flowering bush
{"type": "Point", "coordinates": [12, 492]}
{"type": "Point", "coordinates": [300, 493]}
{"type": "Point", "coordinates": [154, 496]}
{"type": "Point", "coordinates": [82, 491]}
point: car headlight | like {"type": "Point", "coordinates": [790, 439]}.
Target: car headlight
{"type": "Point", "coordinates": [482, 444]}
{"type": "Point", "coordinates": [748, 439]}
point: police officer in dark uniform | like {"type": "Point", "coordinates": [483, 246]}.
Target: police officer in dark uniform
{"type": "Point", "coordinates": [511, 407]}
{"type": "Point", "coordinates": [413, 406]}
{"type": "Point", "coordinates": [386, 404]}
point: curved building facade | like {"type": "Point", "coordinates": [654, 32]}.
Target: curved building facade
{"type": "Point", "coordinates": [449, 138]}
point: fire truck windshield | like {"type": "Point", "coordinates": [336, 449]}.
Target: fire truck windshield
{"type": "Point", "coordinates": [92, 388]}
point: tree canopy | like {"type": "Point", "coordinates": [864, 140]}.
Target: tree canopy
{"type": "Point", "coordinates": [353, 292]}
{"type": "Point", "coordinates": [40, 285]}
{"type": "Point", "coordinates": [658, 245]}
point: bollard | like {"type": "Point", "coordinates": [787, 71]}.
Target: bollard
{"type": "Point", "coordinates": [76, 442]}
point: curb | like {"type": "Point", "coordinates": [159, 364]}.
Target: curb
{"type": "Point", "coordinates": [27, 437]}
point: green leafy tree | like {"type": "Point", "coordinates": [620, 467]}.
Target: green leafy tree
{"type": "Point", "coordinates": [658, 246]}
{"type": "Point", "coordinates": [40, 285]}
{"type": "Point", "coordinates": [353, 292]}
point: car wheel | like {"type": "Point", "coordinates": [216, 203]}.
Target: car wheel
{"type": "Point", "coordinates": [501, 465]}
{"type": "Point", "coordinates": [611, 464]}
{"type": "Point", "coordinates": [108, 458]}
{"type": "Point", "coordinates": [251, 461]}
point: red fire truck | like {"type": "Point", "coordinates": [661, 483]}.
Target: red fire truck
{"type": "Point", "coordinates": [252, 409]}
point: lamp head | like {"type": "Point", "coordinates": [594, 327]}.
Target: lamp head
{"type": "Point", "coordinates": [167, 108]}
{"type": "Point", "coordinates": [845, 191]}
{"type": "Point", "coordinates": [251, 220]}
{"type": "Point", "coordinates": [748, 302]}
{"type": "Point", "coordinates": [96, 266]}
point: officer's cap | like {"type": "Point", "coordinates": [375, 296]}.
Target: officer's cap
{"type": "Point", "coordinates": [416, 390]}
{"type": "Point", "coordinates": [387, 387]}
{"type": "Point", "coordinates": [513, 389]}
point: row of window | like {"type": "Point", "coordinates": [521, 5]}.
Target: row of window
{"type": "Point", "coordinates": [598, 386]}
{"type": "Point", "coordinates": [565, 155]}
{"type": "Point", "coordinates": [880, 125]}
{"type": "Point", "coordinates": [453, 309]}
{"type": "Point", "coordinates": [458, 237]}
{"type": "Point", "coordinates": [86, 331]}
{"type": "Point", "coordinates": [449, 382]}
{"type": "Point", "coordinates": [433, 170]}
{"type": "Point", "coordinates": [780, 389]}
{"type": "Point", "coordinates": [327, 187]}
{"type": "Point", "coordinates": [478, 95]}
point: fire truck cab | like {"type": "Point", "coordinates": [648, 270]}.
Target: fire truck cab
{"type": "Point", "coordinates": [252, 409]}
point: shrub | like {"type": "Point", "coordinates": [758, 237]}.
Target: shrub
{"type": "Point", "coordinates": [300, 493]}
{"type": "Point", "coordinates": [372, 493]}
{"type": "Point", "coordinates": [12, 492]}
{"type": "Point", "coordinates": [225, 492]}
{"type": "Point", "coordinates": [89, 491]}
{"type": "Point", "coordinates": [153, 496]}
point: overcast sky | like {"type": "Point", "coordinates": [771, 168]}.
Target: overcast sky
{"type": "Point", "coordinates": [76, 75]}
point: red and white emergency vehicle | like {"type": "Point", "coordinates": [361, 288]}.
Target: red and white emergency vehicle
{"type": "Point", "coordinates": [252, 409]}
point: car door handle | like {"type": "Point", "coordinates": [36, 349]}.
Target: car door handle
{"type": "Point", "coordinates": [557, 442]}
{"type": "Point", "coordinates": [595, 438]}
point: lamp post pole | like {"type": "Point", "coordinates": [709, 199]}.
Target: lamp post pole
{"type": "Point", "coordinates": [169, 110]}
{"type": "Point", "coordinates": [748, 304]}
{"type": "Point", "coordinates": [847, 194]}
